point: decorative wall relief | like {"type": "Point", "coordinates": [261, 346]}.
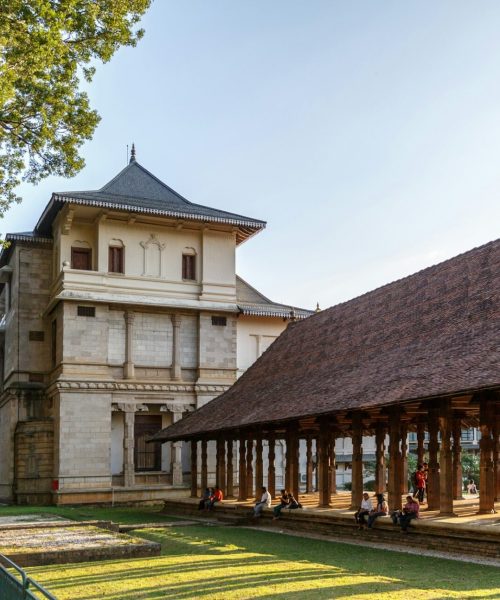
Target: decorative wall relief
{"type": "Point", "coordinates": [153, 256]}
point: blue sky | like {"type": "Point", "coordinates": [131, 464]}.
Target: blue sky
{"type": "Point", "coordinates": [367, 134]}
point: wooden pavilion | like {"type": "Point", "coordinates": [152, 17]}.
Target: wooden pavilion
{"type": "Point", "coordinates": [421, 354]}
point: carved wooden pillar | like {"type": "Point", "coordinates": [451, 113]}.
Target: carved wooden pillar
{"type": "Point", "coordinates": [294, 466]}
{"type": "Point", "coordinates": [458, 484]}
{"type": "Point", "coordinates": [357, 461]}
{"type": "Point", "coordinates": [322, 453]}
{"type": "Point", "coordinates": [404, 458]}
{"type": "Point", "coordinates": [230, 470]}
{"type": "Point", "coordinates": [309, 465]}
{"type": "Point", "coordinates": [433, 486]}
{"type": "Point", "coordinates": [394, 483]}
{"type": "Point", "coordinates": [176, 374]}
{"type": "Point", "coordinates": [242, 472]}
{"type": "Point", "coordinates": [445, 459]}
{"type": "Point", "coordinates": [333, 465]}
{"type": "Point", "coordinates": [271, 473]}
{"type": "Point", "coordinates": [176, 450]}
{"type": "Point", "coordinates": [128, 365]}
{"type": "Point", "coordinates": [250, 487]}
{"type": "Point", "coordinates": [194, 469]}
{"type": "Point", "coordinates": [220, 468]}
{"type": "Point", "coordinates": [487, 417]}
{"type": "Point", "coordinates": [420, 443]}
{"type": "Point", "coordinates": [379, 458]}
{"type": "Point", "coordinates": [259, 471]}
{"type": "Point", "coordinates": [204, 468]}
{"type": "Point", "coordinates": [496, 450]}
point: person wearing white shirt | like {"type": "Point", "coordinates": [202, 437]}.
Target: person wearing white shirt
{"type": "Point", "coordinates": [264, 501]}
{"type": "Point", "coordinates": [364, 510]}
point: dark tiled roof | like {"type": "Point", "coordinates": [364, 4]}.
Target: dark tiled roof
{"type": "Point", "coordinates": [252, 302]}
{"type": "Point", "coordinates": [137, 190]}
{"type": "Point", "coordinates": [431, 334]}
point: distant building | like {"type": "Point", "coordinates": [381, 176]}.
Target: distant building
{"type": "Point", "coordinates": [122, 312]}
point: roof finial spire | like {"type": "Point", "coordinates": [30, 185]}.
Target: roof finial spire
{"type": "Point", "coordinates": [318, 309]}
{"type": "Point", "coordinates": [132, 153]}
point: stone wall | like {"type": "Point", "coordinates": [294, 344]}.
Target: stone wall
{"type": "Point", "coordinates": [152, 341]}
{"type": "Point", "coordinates": [83, 439]}
{"type": "Point", "coordinates": [34, 457]}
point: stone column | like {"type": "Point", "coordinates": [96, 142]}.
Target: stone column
{"type": "Point", "coordinates": [445, 459]}
{"type": "Point", "coordinates": [322, 453]}
{"type": "Point", "coordinates": [176, 455]}
{"type": "Point", "coordinates": [404, 458]}
{"type": "Point", "coordinates": [433, 486]}
{"type": "Point", "coordinates": [220, 468]}
{"type": "Point", "coordinates": [379, 458]}
{"type": "Point", "coordinates": [420, 443]}
{"type": "Point", "coordinates": [204, 468]}
{"type": "Point", "coordinates": [309, 465]}
{"type": "Point", "coordinates": [357, 461]}
{"type": "Point", "coordinates": [242, 471]}
{"type": "Point", "coordinates": [259, 472]}
{"type": "Point", "coordinates": [194, 469]}
{"type": "Point", "coordinates": [230, 470]}
{"type": "Point", "coordinates": [333, 466]}
{"type": "Point", "coordinates": [250, 486]}
{"type": "Point", "coordinates": [271, 474]}
{"type": "Point", "coordinates": [394, 458]}
{"type": "Point", "coordinates": [458, 484]}
{"type": "Point", "coordinates": [128, 446]}
{"type": "Point", "coordinates": [128, 365]}
{"type": "Point", "coordinates": [487, 417]}
{"type": "Point", "coordinates": [176, 373]}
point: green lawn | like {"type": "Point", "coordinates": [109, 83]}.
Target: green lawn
{"type": "Point", "coordinates": [226, 562]}
{"type": "Point", "coordinates": [123, 515]}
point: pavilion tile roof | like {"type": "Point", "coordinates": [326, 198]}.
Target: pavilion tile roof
{"type": "Point", "coordinates": [136, 190]}
{"type": "Point", "coordinates": [252, 302]}
{"type": "Point", "coordinates": [432, 334]}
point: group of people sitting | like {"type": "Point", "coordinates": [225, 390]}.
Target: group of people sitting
{"type": "Point", "coordinates": [367, 514]}
{"type": "Point", "coordinates": [210, 497]}
{"type": "Point", "coordinates": [287, 500]}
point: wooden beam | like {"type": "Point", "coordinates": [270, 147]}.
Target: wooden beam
{"type": "Point", "coordinates": [194, 469]}
{"type": "Point", "coordinates": [433, 486]}
{"type": "Point", "coordinates": [242, 470]}
{"type": "Point", "coordinates": [230, 470]}
{"type": "Point", "coordinates": [394, 458]}
{"type": "Point", "coordinates": [357, 461]}
{"type": "Point", "coordinates": [445, 459]}
{"type": "Point", "coordinates": [487, 416]}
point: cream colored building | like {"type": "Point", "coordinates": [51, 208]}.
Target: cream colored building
{"type": "Point", "coordinates": [122, 312]}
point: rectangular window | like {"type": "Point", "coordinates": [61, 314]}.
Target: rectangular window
{"type": "Point", "coordinates": [116, 262]}
{"type": "Point", "coordinates": [81, 258]}
{"type": "Point", "coordinates": [54, 342]}
{"type": "Point", "coordinates": [147, 457]}
{"type": "Point", "coordinates": [36, 336]}
{"type": "Point", "coordinates": [219, 321]}
{"type": "Point", "coordinates": [86, 311]}
{"type": "Point", "coordinates": [189, 267]}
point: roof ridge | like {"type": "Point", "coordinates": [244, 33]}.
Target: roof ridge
{"type": "Point", "coordinates": [133, 164]}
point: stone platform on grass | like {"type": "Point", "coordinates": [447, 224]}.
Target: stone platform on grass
{"type": "Point", "coordinates": [42, 540]}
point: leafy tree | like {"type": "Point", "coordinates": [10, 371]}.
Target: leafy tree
{"type": "Point", "coordinates": [46, 47]}
{"type": "Point", "coordinates": [470, 468]}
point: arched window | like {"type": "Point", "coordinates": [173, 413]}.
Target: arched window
{"type": "Point", "coordinates": [116, 257]}
{"type": "Point", "coordinates": [189, 264]}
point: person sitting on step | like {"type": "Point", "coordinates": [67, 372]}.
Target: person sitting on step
{"type": "Point", "coordinates": [381, 510]}
{"type": "Point", "coordinates": [284, 502]}
{"type": "Point", "coordinates": [292, 502]}
{"type": "Point", "coordinates": [265, 500]}
{"type": "Point", "coordinates": [410, 511]}
{"type": "Point", "coordinates": [205, 499]}
{"type": "Point", "coordinates": [217, 496]}
{"type": "Point", "coordinates": [363, 511]}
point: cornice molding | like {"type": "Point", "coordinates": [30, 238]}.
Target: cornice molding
{"type": "Point", "coordinates": [128, 386]}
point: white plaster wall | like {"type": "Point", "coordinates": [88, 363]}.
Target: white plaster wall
{"type": "Point", "coordinates": [219, 258]}
{"type": "Point", "coordinates": [117, 431]}
{"type": "Point", "coordinates": [254, 336]}
{"type": "Point", "coordinates": [81, 235]}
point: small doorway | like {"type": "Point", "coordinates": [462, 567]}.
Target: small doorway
{"type": "Point", "coordinates": [147, 457]}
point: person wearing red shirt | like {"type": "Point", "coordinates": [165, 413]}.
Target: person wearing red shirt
{"type": "Point", "coordinates": [217, 496]}
{"type": "Point", "coordinates": [420, 481]}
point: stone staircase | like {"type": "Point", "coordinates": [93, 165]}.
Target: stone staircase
{"type": "Point", "coordinates": [456, 540]}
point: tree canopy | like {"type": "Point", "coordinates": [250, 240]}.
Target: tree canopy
{"type": "Point", "coordinates": [47, 47]}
